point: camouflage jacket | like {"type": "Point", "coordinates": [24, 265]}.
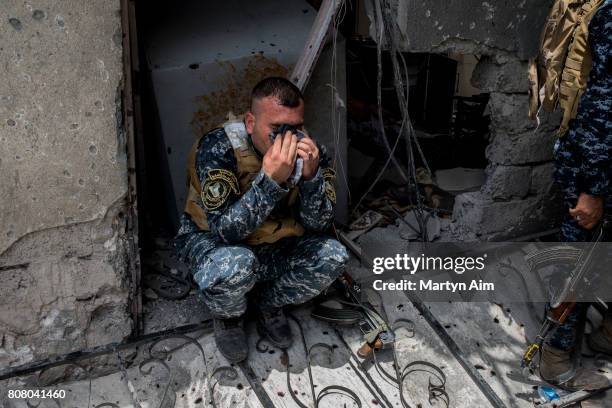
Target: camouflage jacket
{"type": "Point", "coordinates": [239, 215]}
{"type": "Point", "coordinates": [587, 152]}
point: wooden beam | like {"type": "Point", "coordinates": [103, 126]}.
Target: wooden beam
{"type": "Point", "coordinates": [316, 39]}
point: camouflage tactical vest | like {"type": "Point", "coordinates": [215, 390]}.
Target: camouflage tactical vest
{"type": "Point", "coordinates": [248, 166]}
{"type": "Point", "coordinates": [558, 76]}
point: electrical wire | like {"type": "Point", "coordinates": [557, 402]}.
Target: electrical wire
{"type": "Point", "coordinates": [387, 28]}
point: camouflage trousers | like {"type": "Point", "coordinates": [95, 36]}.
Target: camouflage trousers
{"type": "Point", "coordinates": [290, 271]}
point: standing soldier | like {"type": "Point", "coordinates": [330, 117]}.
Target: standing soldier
{"type": "Point", "coordinates": [576, 34]}
{"type": "Point", "coordinates": [251, 223]}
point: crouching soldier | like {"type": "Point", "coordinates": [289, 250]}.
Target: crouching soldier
{"type": "Point", "coordinates": [253, 226]}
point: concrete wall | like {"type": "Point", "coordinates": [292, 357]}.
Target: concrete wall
{"type": "Point", "coordinates": [516, 198]}
{"type": "Point", "coordinates": [63, 251]}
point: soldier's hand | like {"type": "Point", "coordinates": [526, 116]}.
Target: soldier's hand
{"type": "Point", "coordinates": [279, 160]}
{"type": "Point", "coordinates": [309, 152]}
{"type": "Point", "coordinates": [588, 210]}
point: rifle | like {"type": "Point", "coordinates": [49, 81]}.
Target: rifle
{"type": "Point", "coordinates": [566, 300]}
{"type": "Point", "coordinates": [376, 332]}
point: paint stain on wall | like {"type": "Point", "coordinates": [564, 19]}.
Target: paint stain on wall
{"type": "Point", "coordinates": [234, 92]}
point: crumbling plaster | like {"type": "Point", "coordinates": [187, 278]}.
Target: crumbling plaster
{"type": "Point", "coordinates": [471, 26]}
{"type": "Point", "coordinates": [517, 197]}
{"type": "Point", "coordinates": [63, 244]}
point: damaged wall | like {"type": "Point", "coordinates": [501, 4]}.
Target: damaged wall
{"type": "Point", "coordinates": [516, 198]}
{"type": "Point", "coordinates": [63, 246]}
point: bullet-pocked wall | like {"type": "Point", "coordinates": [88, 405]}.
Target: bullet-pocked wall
{"type": "Point", "coordinates": [63, 184]}
{"type": "Point", "coordinates": [517, 197]}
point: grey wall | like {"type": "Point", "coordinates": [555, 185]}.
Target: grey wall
{"type": "Point", "coordinates": [63, 179]}
{"type": "Point", "coordinates": [472, 26]}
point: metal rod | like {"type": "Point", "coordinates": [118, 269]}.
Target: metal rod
{"type": "Point", "coordinates": [99, 350]}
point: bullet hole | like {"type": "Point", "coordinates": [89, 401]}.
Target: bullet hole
{"type": "Point", "coordinates": [15, 23]}
{"type": "Point", "coordinates": [272, 45]}
{"type": "Point", "coordinates": [88, 114]}
{"type": "Point", "coordinates": [10, 122]}
{"type": "Point", "coordinates": [60, 21]}
{"type": "Point", "coordinates": [280, 394]}
{"type": "Point", "coordinates": [493, 373]}
{"type": "Point", "coordinates": [17, 157]}
{"type": "Point", "coordinates": [93, 149]}
{"type": "Point", "coordinates": [496, 320]}
{"type": "Point", "coordinates": [38, 15]}
{"type": "Point", "coordinates": [81, 182]}
{"type": "Point", "coordinates": [98, 104]}
{"type": "Point", "coordinates": [194, 66]}
{"type": "Point", "coordinates": [66, 173]}
{"type": "Point", "coordinates": [239, 386]}
{"type": "Point", "coordinates": [479, 367]}
{"type": "Point", "coordinates": [198, 401]}
{"type": "Point", "coordinates": [74, 126]}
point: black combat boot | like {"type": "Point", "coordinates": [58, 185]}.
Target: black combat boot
{"type": "Point", "coordinates": [231, 339]}
{"type": "Point", "coordinates": [272, 325]}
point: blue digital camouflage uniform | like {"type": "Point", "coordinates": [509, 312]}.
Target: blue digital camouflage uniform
{"type": "Point", "coordinates": [290, 271]}
{"type": "Point", "coordinates": [583, 157]}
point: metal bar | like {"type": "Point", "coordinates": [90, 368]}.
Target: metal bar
{"type": "Point", "coordinates": [256, 385]}
{"type": "Point", "coordinates": [303, 68]}
{"type": "Point", "coordinates": [132, 199]}
{"type": "Point", "coordinates": [30, 368]}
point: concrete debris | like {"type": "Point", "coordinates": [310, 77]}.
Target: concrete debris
{"type": "Point", "coordinates": [460, 179]}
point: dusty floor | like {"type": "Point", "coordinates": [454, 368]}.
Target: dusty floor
{"type": "Point", "coordinates": [182, 371]}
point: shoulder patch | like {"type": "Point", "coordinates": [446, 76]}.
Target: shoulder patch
{"type": "Point", "coordinates": [218, 186]}
{"type": "Point", "coordinates": [329, 175]}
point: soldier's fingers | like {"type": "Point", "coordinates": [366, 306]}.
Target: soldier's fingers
{"type": "Point", "coordinates": [292, 149]}
{"type": "Point", "coordinates": [278, 142]}
{"type": "Point", "coordinates": [286, 145]}
{"type": "Point", "coordinates": [301, 153]}
{"type": "Point", "coordinates": [309, 143]}
{"type": "Point", "coordinates": [305, 153]}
